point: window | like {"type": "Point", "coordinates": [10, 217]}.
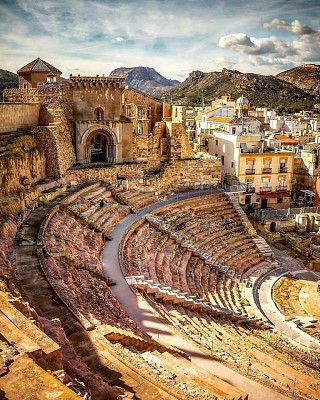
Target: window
{"type": "Point", "coordinates": [280, 200]}
{"type": "Point", "coordinates": [267, 163]}
{"type": "Point", "coordinates": [98, 114]}
{"type": "Point", "coordinates": [232, 164]}
{"type": "Point", "coordinates": [51, 79]}
{"type": "Point", "coordinates": [222, 160]}
{"type": "Point", "coordinates": [216, 142]}
{"type": "Point", "coordinates": [283, 165]}
{"type": "Point", "coordinates": [233, 130]}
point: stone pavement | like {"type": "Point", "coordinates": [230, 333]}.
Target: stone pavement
{"type": "Point", "coordinates": [147, 318]}
{"type": "Point", "coordinates": [263, 296]}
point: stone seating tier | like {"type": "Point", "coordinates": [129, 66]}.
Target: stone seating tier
{"type": "Point", "coordinates": [66, 238]}
{"type": "Point", "coordinates": [166, 294]}
{"type": "Point", "coordinates": [235, 344]}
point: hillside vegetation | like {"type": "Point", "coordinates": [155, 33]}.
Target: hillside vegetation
{"type": "Point", "coordinates": [7, 80]}
{"type": "Point", "coordinates": [262, 91]}
{"type": "Point", "coordinates": [305, 77]}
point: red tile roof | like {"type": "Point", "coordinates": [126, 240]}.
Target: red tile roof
{"type": "Point", "coordinates": [286, 140]}
{"type": "Point", "coordinates": [38, 65]}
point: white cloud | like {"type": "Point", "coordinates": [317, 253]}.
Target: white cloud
{"type": "Point", "coordinates": [118, 39]}
{"type": "Point", "coordinates": [274, 51]}
{"type": "Point", "coordinates": [242, 43]}
{"type": "Point", "coordinates": [296, 27]}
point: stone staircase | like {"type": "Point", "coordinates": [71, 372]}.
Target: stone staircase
{"type": "Point", "coordinates": [166, 294]}
{"type": "Point", "coordinates": [128, 338]}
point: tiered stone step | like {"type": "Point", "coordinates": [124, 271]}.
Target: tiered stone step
{"type": "Point", "coordinates": [243, 216]}
{"type": "Point", "coordinates": [128, 338]}
{"type": "Point", "coordinates": [163, 227]}
{"type": "Point", "coordinates": [203, 378]}
{"type": "Point", "coordinates": [98, 353]}
{"type": "Point", "coordinates": [263, 247]}
{"type": "Point", "coordinates": [16, 328]}
{"type": "Point", "coordinates": [165, 294]}
{"type": "Point", "coordinates": [26, 380]}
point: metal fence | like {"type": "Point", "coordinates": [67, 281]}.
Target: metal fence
{"type": "Point", "coordinates": [286, 214]}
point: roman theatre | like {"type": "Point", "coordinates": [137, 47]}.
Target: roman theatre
{"type": "Point", "coordinates": [126, 271]}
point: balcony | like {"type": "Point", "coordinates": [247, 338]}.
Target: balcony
{"type": "Point", "coordinates": [282, 188]}
{"type": "Point", "coordinates": [283, 169]}
{"type": "Point", "coordinates": [267, 170]}
{"type": "Point", "coordinates": [250, 171]}
{"type": "Point", "coordinates": [265, 189]}
{"type": "Point", "coordinates": [250, 190]}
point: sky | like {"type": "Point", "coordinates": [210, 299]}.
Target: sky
{"type": "Point", "coordinates": [175, 37]}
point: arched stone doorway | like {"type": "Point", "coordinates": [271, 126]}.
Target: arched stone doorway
{"type": "Point", "coordinates": [101, 147]}
{"type": "Point", "coordinates": [273, 227]}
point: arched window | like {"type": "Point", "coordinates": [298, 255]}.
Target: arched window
{"type": "Point", "coordinates": [98, 114]}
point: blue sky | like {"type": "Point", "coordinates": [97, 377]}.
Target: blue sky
{"type": "Point", "coordinates": [175, 37]}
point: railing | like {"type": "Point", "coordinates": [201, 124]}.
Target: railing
{"type": "Point", "coordinates": [286, 214]}
{"type": "Point", "coordinates": [250, 171]}
{"type": "Point", "coordinates": [283, 169]}
{"type": "Point", "coordinates": [265, 189]}
{"type": "Point", "coordinates": [250, 190]}
{"type": "Point", "coordinates": [266, 170]}
{"type": "Point", "coordinates": [281, 188]}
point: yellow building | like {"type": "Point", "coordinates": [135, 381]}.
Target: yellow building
{"type": "Point", "coordinates": [267, 178]}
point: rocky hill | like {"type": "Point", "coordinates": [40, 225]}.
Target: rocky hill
{"type": "Point", "coordinates": [261, 90]}
{"type": "Point", "coordinates": [305, 77]}
{"type": "Point", "coordinates": [7, 80]}
{"type": "Point", "coordinates": [146, 79]}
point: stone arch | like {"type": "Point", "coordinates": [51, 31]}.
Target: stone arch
{"type": "Point", "coordinates": [100, 145]}
{"type": "Point", "coordinates": [273, 227]}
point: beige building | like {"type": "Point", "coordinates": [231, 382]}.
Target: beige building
{"type": "Point", "coordinates": [267, 178]}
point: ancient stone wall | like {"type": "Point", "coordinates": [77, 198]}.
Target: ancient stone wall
{"type": "Point", "coordinates": [183, 175]}
{"type": "Point", "coordinates": [15, 116]}
{"type": "Point", "coordinates": [55, 132]}
{"type": "Point", "coordinates": [180, 148]}
{"type": "Point", "coordinates": [90, 93]}
{"type": "Point", "coordinates": [149, 147]}
{"type": "Point", "coordinates": [108, 174]}
{"type": "Point", "coordinates": [179, 175]}
{"type": "Point", "coordinates": [22, 162]}
{"type": "Point", "coordinates": [135, 97]}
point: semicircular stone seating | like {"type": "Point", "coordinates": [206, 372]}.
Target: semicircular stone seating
{"type": "Point", "coordinates": [198, 249]}
{"type": "Point", "coordinates": [191, 260]}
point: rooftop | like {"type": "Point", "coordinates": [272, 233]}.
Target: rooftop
{"type": "Point", "coordinates": [38, 65]}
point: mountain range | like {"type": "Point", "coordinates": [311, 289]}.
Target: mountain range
{"type": "Point", "coordinates": [146, 79]}
{"type": "Point", "coordinates": [290, 93]}
{"type": "Point", "coordinates": [292, 90]}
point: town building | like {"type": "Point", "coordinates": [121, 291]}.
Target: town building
{"type": "Point", "coordinates": [38, 73]}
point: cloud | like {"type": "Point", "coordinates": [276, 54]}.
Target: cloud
{"type": "Point", "coordinates": [118, 39]}
{"type": "Point", "coordinates": [275, 51]}
{"type": "Point", "coordinates": [242, 43]}
{"type": "Point", "coordinates": [296, 27]}
{"type": "Point", "coordinates": [172, 36]}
